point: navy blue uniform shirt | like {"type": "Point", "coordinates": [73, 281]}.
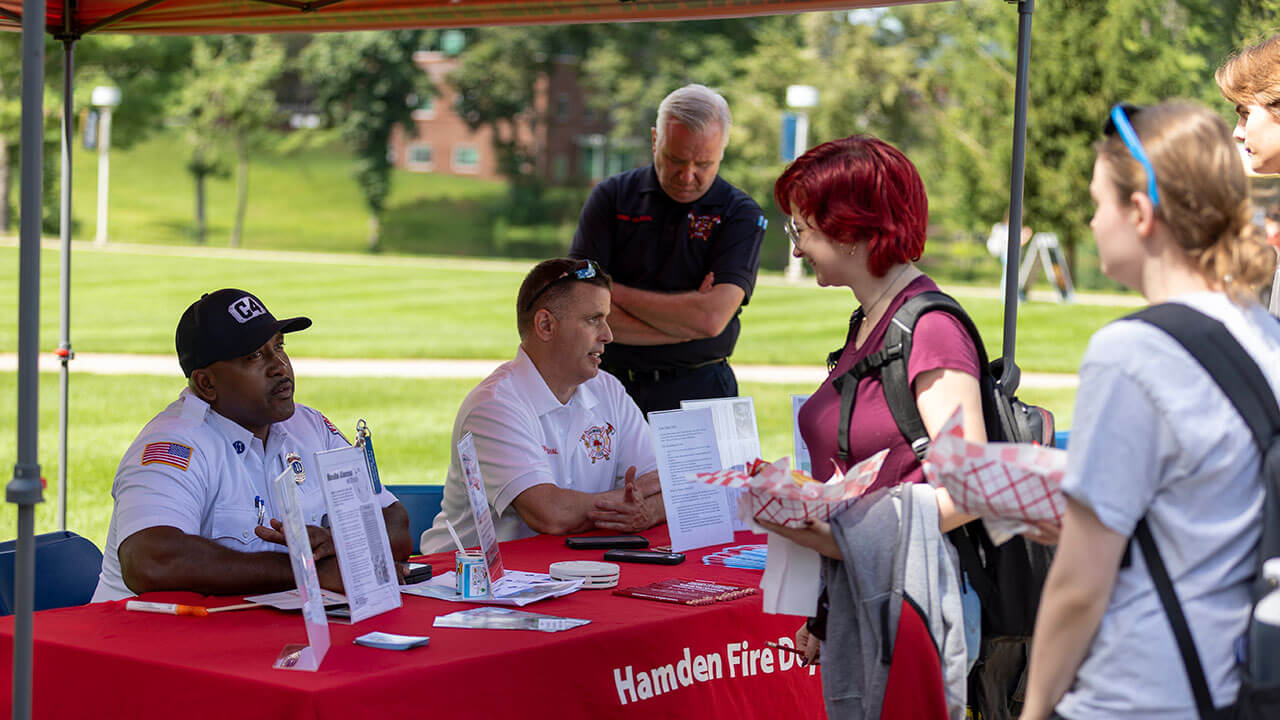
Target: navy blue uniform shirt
{"type": "Point", "coordinates": [646, 240]}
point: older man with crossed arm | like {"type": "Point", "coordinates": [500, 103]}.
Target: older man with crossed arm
{"type": "Point", "coordinates": [684, 246]}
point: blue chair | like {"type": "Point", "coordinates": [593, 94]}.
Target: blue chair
{"type": "Point", "coordinates": [1060, 439]}
{"type": "Point", "coordinates": [67, 568]}
{"type": "Point", "coordinates": [423, 503]}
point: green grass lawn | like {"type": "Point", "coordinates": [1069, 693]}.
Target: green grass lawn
{"type": "Point", "coordinates": [411, 419]}
{"type": "Point", "coordinates": [425, 308]}
{"type": "Point", "coordinates": [396, 308]}
{"type": "Point", "coordinates": [300, 200]}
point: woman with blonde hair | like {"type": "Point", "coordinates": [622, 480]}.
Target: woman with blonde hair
{"type": "Point", "coordinates": [1154, 437]}
{"type": "Point", "coordinates": [1251, 80]}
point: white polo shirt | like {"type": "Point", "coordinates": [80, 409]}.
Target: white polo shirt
{"type": "Point", "coordinates": [524, 437]}
{"type": "Point", "coordinates": [195, 470]}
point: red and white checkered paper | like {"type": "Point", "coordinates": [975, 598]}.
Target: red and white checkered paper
{"type": "Point", "coordinates": [1006, 484]}
{"type": "Point", "coordinates": [771, 495]}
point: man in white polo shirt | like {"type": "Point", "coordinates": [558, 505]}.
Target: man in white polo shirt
{"type": "Point", "coordinates": [192, 507]}
{"type": "Point", "coordinates": [561, 446]}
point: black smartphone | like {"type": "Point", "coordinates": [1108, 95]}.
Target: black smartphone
{"type": "Point", "coordinates": [645, 556]}
{"type": "Point", "coordinates": [417, 573]}
{"type": "Point", "coordinates": [604, 542]}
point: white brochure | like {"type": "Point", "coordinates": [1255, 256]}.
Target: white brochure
{"type": "Point", "coordinates": [499, 584]}
{"type": "Point", "coordinates": [284, 493]}
{"type": "Point", "coordinates": [737, 439]}
{"type": "Point", "coordinates": [292, 599]}
{"type": "Point", "coordinates": [359, 533]}
{"type": "Point", "coordinates": [522, 588]}
{"type": "Point", "coordinates": [803, 463]}
{"type": "Point", "coordinates": [698, 515]}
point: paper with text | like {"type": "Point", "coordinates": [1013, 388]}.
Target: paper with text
{"type": "Point", "coordinates": [479, 502]}
{"type": "Point", "coordinates": [684, 442]}
{"type": "Point", "coordinates": [803, 463]}
{"type": "Point", "coordinates": [359, 533]}
{"type": "Point", "coordinates": [737, 438]}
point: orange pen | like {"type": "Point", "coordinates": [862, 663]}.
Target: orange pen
{"type": "Point", "coordinates": [166, 608]}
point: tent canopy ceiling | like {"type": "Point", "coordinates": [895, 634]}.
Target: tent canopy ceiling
{"type": "Point", "coordinates": [188, 17]}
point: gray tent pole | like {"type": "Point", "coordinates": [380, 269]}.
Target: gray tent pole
{"type": "Point", "coordinates": [64, 278]}
{"type": "Point", "coordinates": [24, 490]}
{"type": "Point", "coordinates": [1010, 376]}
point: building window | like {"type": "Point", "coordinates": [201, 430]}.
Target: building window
{"type": "Point", "coordinates": [426, 109]}
{"type": "Point", "coordinates": [560, 168]}
{"type": "Point", "coordinates": [562, 107]}
{"type": "Point", "coordinates": [466, 158]}
{"type": "Point", "coordinates": [419, 158]}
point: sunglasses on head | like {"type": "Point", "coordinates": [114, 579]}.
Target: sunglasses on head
{"type": "Point", "coordinates": [1118, 122]}
{"type": "Point", "coordinates": [583, 270]}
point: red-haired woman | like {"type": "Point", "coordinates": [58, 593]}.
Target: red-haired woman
{"type": "Point", "coordinates": [858, 214]}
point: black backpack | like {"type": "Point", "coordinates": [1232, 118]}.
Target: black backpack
{"type": "Point", "coordinates": [1213, 346]}
{"type": "Point", "coordinates": [1007, 578]}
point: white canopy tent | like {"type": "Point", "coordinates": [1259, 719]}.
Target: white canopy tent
{"type": "Point", "coordinates": [70, 20]}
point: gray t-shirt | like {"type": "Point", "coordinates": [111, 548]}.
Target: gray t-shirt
{"type": "Point", "coordinates": [1153, 435]}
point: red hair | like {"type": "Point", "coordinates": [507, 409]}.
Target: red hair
{"type": "Point", "coordinates": [860, 189]}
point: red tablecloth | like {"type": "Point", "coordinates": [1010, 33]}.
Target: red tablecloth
{"type": "Point", "coordinates": [101, 661]}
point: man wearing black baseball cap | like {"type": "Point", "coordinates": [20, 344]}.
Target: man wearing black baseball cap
{"type": "Point", "coordinates": [191, 495]}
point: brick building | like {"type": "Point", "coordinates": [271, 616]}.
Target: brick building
{"type": "Point", "coordinates": [570, 144]}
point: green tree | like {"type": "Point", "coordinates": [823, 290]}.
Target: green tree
{"type": "Point", "coordinates": [144, 68]}
{"type": "Point", "coordinates": [367, 83]}
{"type": "Point", "coordinates": [938, 81]}
{"type": "Point", "coordinates": [227, 99]}
{"type": "Point", "coordinates": [496, 83]}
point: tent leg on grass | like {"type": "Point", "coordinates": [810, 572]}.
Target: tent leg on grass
{"type": "Point", "coordinates": [25, 489]}
{"type": "Point", "coordinates": [64, 276]}
{"type": "Point", "coordinates": [1010, 378]}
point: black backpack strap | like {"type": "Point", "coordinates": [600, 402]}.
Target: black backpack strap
{"type": "Point", "coordinates": [1218, 352]}
{"type": "Point", "coordinates": [847, 385]}
{"type": "Point", "coordinates": [893, 376]}
{"type": "Point", "coordinates": [833, 357]}
{"type": "Point", "coordinates": [1210, 343]}
{"type": "Point", "coordinates": [1177, 621]}
{"type": "Point", "coordinates": [1216, 349]}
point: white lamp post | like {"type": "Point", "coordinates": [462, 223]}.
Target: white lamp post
{"type": "Point", "coordinates": [105, 98]}
{"type": "Point", "coordinates": [801, 98]}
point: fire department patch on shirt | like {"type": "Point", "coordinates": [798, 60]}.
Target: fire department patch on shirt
{"type": "Point", "coordinates": [598, 442]}
{"type": "Point", "coordinates": [167, 453]}
{"type": "Point", "coordinates": [700, 226]}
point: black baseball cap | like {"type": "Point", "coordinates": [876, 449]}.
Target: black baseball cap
{"type": "Point", "coordinates": [226, 324]}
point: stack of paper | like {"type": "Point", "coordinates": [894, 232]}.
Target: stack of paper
{"type": "Point", "coordinates": [521, 588]}
{"type": "Point", "coordinates": [491, 618]}
{"type": "Point", "coordinates": [1006, 484]}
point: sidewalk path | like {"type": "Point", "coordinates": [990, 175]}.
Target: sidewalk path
{"type": "Point", "coordinates": [167, 365]}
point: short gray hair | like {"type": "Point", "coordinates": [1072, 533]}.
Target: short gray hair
{"type": "Point", "coordinates": [697, 107]}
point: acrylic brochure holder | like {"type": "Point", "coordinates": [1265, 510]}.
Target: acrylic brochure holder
{"type": "Point", "coordinates": [295, 656]}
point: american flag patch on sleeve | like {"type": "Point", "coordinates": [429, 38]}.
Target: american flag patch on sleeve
{"type": "Point", "coordinates": [167, 453]}
{"type": "Point", "coordinates": [334, 430]}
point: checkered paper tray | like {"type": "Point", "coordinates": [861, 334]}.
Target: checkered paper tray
{"type": "Point", "coordinates": [1006, 484]}
{"type": "Point", "coordinates": [773, 495]}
